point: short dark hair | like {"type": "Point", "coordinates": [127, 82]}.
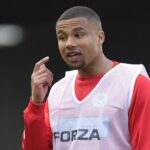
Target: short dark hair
{"type": "Point", "coordinates": [81, 11]}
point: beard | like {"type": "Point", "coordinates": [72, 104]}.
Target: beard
{"type": "Point", "coordinates": [77, 66]}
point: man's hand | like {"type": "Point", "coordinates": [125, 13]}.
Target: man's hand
{"type": "Point", "coordinates": [41, 79]}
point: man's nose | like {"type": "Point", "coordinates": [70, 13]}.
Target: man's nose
{"type": "Point", "coordinates": [70, 42]}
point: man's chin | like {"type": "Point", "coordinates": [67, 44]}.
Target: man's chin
{"type": "Point", "coordinates": [77, 66]}
{"type": "Point", "coordinates": [80, 66]}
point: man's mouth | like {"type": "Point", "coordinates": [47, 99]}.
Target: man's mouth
{"type": "Point", "coordinates": [73, 56]}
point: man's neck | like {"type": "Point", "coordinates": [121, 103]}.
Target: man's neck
{"type": "Point", "coordinates": [101, 68]}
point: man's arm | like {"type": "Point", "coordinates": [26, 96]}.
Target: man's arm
{"type": "Point", "coordinates": [37, 133]}
{"type": "Point", "coordinates": [139, 113]}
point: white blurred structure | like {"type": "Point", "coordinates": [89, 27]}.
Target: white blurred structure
{"type": "Point", "coordinates": [10, 35]}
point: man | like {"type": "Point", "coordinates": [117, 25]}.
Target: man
{"type": "Point", "coordinates": [101, 104]}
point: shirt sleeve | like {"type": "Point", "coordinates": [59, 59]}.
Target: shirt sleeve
{"type": "Point", "coordinates": [37, 134]}
{"type": "Point", "coordinates": [139, 113]}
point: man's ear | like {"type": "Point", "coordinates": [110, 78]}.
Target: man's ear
{"type": "Point", "coordinates": [101, 36]}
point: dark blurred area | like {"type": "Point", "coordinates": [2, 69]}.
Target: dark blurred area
{"type": "Point", "coordinates": [126, 25]}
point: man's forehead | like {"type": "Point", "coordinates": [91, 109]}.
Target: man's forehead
{"type": "Point", "coordinates": [78, 23]}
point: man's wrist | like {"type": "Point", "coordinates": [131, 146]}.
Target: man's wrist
{"type": "Point", "coordinates": [36, 108]}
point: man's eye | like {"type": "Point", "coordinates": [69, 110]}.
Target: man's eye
{"type": "Point", "coordinates": [78, 35]}
{"type": "Point", "coordinates": [61, 37]}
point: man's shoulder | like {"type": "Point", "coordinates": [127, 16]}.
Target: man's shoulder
{"type": "Point", "coordinates": [61, 84]}
{"type": "Point", "coordinates": [133, 68]}
{"type": "Point", "coordinates": [69, 75]}
{"type": "Point", "coordinates": [130, 66]}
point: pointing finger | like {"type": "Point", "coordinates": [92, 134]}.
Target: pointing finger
{"type": "Point", "coordinates": [40, 63]}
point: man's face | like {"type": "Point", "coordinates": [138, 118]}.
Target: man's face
{"type": "Point", "coordinates": [79, 42]}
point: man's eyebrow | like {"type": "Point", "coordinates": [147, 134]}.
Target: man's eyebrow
{"type": "Point", "coordinates": [60, 31]}
{"type": "Point", "coordinates": [78, 29]}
